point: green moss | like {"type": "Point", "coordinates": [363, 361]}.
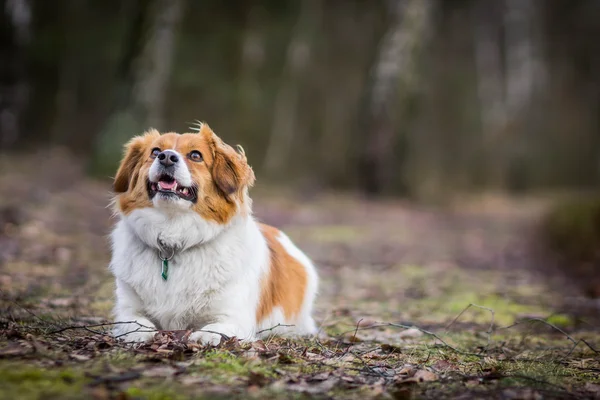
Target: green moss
{"type": "Point", "coordinates": [560, 320]}
{"type": "Point", "coordinates": [572, 227]}
{"type": "Point", "coordinates": [24, 382]}
{"type": "Point", "coordinates": [161, 392]}
{"type": "Point", "coordinates": [330, 233]}
{"type": "Point", "coordinates": [223, 366]}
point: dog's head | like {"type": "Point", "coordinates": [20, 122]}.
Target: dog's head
{"type": "Point", "coordinates": [191, 171]}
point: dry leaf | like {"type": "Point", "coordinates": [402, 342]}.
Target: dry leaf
{"type": "Point", "coordinates": [592, 388]}
{"type": "Point", "coordinates": [418, 377]}
{"type": "Point", "coordinates": [257, 379]}
{"type": "Point", "coordinates": [80, 357]}
{"type": "Point", "coordinates": [259, 345]}
{"type": "Point", "coordinates": [410, 333]}
{"type": "Point", "coordinates": [443, 365]}
{"type": "Point", "coordinates": [423, 375]}
{"type": "Point", "coordinates": [162, 372]}
{"type": "Point", "coordinates": [14, 349]}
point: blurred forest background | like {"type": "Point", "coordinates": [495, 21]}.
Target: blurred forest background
{"type": "Point", "coordinates": [415, 98]}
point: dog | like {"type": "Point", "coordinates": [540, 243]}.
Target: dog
{"type": "Point", "coordinates": [187, 254]}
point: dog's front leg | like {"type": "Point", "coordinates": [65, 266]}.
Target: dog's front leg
{"type": "Point", "coordinates": [212, 333]}
{"type": "Point", "coordinates": [130, 324]}
{"type": "Point", "coordinates": [234, 313]}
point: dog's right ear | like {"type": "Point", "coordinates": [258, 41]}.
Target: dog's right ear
{"type": "Point", "coordinates": [135, 150]}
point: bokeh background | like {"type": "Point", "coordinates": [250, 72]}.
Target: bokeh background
{"type": "Point", "coordinates": [428, 155]}
{"type": "Point", "coordinates": [414, 98]}
{"type": "Point", "coordinates": [425, 101]}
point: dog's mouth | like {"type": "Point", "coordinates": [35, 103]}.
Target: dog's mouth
{"type": "Point", "coordinates": [168, 186]}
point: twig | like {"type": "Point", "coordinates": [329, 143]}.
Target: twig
{"type": "Point", "coordinates": [490, 329]}
{"type": "Point", "coordinates": [67, 328]}
{"type": "Point", "coordinates": [356, 330]}
{"type": "Point", "coordinates": [556, 328]}
{"type": "Point", "coordinates": [426, 332]}
{"type": "Point", "coordinates": [584, 342]}
{"type": "Point", "coordinates": [25, 309]}
{"type": "Point", "coordinates": [274, 327]}
{"type": "Point", "coordinates": [367, 366]}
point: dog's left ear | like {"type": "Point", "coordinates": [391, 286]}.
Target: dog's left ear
{"type": "Point", "coordinates": [230, 169]}
{"type": "Point", "coordinates": [135, 150]}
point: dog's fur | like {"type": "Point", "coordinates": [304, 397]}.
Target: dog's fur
{"type": "Point", "coordinates": [230, 276]}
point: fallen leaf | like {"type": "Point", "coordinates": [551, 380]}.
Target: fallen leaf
{"type": "Point", "coordinates": [443, 365]}
{"type": "Point", "coordinates": [408, 370]}
{"type": "Point", "coordinates": [192, 380]}
{"type": "Point", "coordinates": [418, 377]}
{"type": "Point", "coordinates": [592, 387]}
{"type": "Point", "coordinates": [257, 379]}
{"type": "Point", "coordinates": [410, 333]}
{"type": "Point", "coordinates": [259, 345]}
{"type": "Point", "coordinates": [80, 357]}
{"type": "Point", "coordinates": [364, 322]}
{"type": "Point", "coordinates": [160, 372]}
{"type": "Point", "coordinates": [323, 376]}
{"type": "Point", "coordinates": [389, 348]}
{"type": "Point", "coordinates": [423, 375]}
{"type": "Point", "coordinates": [124, 377]}
{"type": "Point", "coordinates": [14, 349]}
{"type": "Point", "coordinates": [285, 359]}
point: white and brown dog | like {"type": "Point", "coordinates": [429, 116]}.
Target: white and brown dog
{"type": "Point", "coordinates": [187, 253]}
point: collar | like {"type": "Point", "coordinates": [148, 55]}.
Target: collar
{"type": "Point", "coordinates": [166, 254]}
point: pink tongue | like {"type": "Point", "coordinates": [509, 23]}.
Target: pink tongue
{"type": "Point", "coordinates": [167, 185]}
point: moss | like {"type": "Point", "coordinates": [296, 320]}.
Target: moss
{"type": "Point", "coordinates": [223, 366]}
{"type": "Point", "coordinates": [24, 382]}
{"type": "Point", "coordinates": [572, 227]}
{"type": "Point", "coordinates": [560, 320]}
{"type": "Point", "coordinates": [330, 233]}
{"type": "Point", "coordinates": [161, 392]}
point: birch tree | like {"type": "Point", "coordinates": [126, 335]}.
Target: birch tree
{"type": "Point", "coordinates": [286, 123]}
{"type": "Point", "coordinates": [395, 79]}
{"type": "Point", "coordinates": [509, 73]}
{"type": "Point", "coordinates": [14, 92]}
{"type": "Point", "coordinates": [144, 73]}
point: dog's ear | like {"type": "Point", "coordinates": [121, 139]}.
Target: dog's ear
{"type": "Point", "coordinates": [230, 170]}
{"type": "Point", "coordinates": [135, 150]}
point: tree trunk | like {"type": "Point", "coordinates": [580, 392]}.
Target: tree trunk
{"type": "Point", "coordinates": [69, 73]}
{"type": "Point", "coordinates": [395, 77]}
{"type": "Point", "coordinates": [154, 66]}
{"type": "Point", "coordinates": [506, 86]}
{"type": "Point", "coordinates": [143, 76]}
{"type": "Point", "coordinates": [489, 64]}
{"type": "Point", "coordinates": [285, 118]}
{"type": "Point", "coordinates": [14, 87]}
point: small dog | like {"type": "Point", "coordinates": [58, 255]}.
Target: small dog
{"type": "Point", "coordinates": [187, 253]}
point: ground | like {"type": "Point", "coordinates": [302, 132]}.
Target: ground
{"type": "Point", "coordinates": [415, 302]}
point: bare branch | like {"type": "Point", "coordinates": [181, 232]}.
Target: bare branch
{"type": "Point", "coordinates": [273, 327]}
{"type": "Point", "coordinates": [490, 329]}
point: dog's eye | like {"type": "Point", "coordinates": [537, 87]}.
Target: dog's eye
{"type": "Point", "coordinates": [195, 156]}
{"type": "Point", "coordinates": [155, 152]}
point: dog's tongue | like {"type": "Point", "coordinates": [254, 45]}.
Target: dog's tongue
{"type": "Point", "coordinates": [168, 185]}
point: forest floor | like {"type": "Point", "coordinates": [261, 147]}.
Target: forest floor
{"type": "Point", "coordinates": [414, 303]}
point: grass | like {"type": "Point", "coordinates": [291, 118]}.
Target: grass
{"type": "Point", "coordinates": [394, 308]}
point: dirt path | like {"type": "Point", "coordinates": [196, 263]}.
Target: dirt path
{"type": "Point", "coordinates": [395, 282]}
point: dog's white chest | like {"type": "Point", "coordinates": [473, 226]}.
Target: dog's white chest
{"type": "Point", "coordinates": [185, 299]}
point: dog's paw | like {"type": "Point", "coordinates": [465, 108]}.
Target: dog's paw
{"type": "Point", "coordinates": [138, 337]}
{"type": "Point", "coordinates": [205, 338]}
{"type": "Point", "coordinates": [140, 331]}
{"type": "Point", "coordinates": [213, 333]}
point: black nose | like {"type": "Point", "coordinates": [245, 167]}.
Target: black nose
{"type": "Point", "coordinates": [168, 158]}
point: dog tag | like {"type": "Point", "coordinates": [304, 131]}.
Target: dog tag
{"type": "Point", "coordinates": [165, 269]}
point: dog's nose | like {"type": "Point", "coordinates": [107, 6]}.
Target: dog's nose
{"type": "Point", "coordinates": [168, 158]}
